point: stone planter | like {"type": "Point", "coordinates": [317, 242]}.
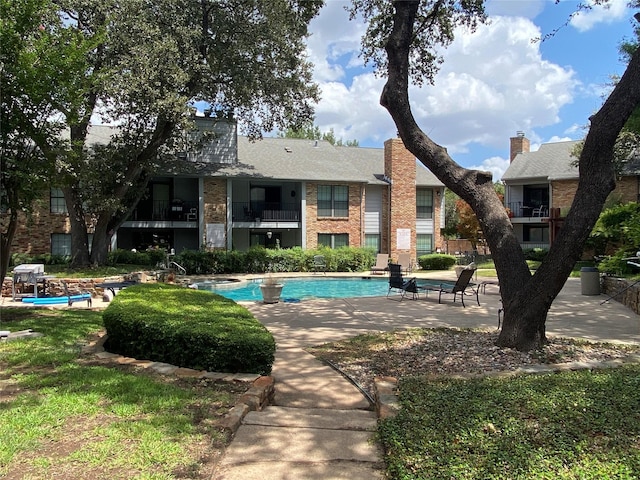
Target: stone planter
{"type": "Point", "coordinates": [271, 292]}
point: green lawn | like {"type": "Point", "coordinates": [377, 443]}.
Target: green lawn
{"type": "Point", "coordinates": [573, 425]}
{"type": "Point", "coordinates": [67, 415]}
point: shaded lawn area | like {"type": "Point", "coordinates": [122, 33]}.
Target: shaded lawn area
{"type": "Point", "coordinates": [570, 425]}
{"type": "Point", "coordinates": [67, 415]}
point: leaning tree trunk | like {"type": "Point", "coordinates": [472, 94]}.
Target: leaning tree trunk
{"type": "Point", "coordinates": [6, 239]}
{"type": "Point", "coordinates": [79, 237]}
{"type": "Point", "coordinates": [526, 298]}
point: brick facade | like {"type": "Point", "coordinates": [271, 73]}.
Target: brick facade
{"type": "Point", "coordinates": [33, 235]}
{"type": "Point", "coordinates": [353, 225]}
{"type": "Point", "coordinates": [563, 192]}
{"type": "Point", "coordinates": [215, 200]}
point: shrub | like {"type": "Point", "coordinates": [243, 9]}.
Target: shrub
{"type": "Point", "coordinates": [436, 261]}
{"type": "Point", "coordinates": [617, 264]}
{"type": "Point", "coordinates": [45, 258]}
{"type": "Point", "coordinates": [261, 260]}
{"type": "Point", "coordinates": [535, 254]}
{"type": "Point", "coordinates": [187, 328]}
{"type": "Point", "coordinates": [130, 257]}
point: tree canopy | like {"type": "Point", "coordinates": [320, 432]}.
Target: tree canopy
{"type": "Point", "coordinates": [143, 66]}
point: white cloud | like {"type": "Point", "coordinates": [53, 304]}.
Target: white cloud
{"type": "Point", "coordinates": [496, 165]}
{"type": "Point", "coordinates": [610, 12]}
{"type": "Point", "coordinates": [492, 84]}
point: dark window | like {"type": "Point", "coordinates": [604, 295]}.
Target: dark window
{"type": "Point", "coordinates": [333, 240]}
{"type": "Point", "coordinates": [333, 201]}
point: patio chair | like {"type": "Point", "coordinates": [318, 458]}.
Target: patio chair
{"type": "Point", "coordinates": [382, 264]}
{"type": "Point", "coordinates": [319, 264]}
{"type": "Point", "coordinates": [460, 287]}
{"type": "Point", "coordinates": [398, 282]}
{"type": "Point", "coordinates": [539, 211]}
{"type": "Point", "coordinates": [404, 259]}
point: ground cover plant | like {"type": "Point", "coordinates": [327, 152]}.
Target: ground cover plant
{"type": "Point", "coordinates": [583, 424]}
{"type": "Point", "coordinates": [569, 425]}
{"type": "Point", "coordinates": [64, 414]}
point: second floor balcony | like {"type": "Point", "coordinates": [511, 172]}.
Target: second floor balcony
{"type": "Point", "coordinates": [266, 211]}
{"type": "Point", "coordinates": [163, 211]}
{"type": "Point", "coordinates": [522, 210]}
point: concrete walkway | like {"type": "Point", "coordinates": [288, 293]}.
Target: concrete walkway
{"type": "Point", "coordinates": [321, 426]}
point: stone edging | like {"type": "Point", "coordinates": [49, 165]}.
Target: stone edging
{"type": "Point", "coordinates": [259, 395]}
{"type": "Point", "coordinates": [386, 388]}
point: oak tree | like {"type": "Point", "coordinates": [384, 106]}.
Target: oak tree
{"type": "Point", "coordinates": [402, 39]}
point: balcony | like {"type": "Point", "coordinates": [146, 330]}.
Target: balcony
{"type": "Point", "coordinates": [265, 212]}
{"type": "Point", "coordinates": [518, 210]}
{"type": "Point", "coordinates": [164, 211]}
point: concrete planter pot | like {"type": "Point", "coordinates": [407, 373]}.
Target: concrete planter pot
{"type": "Point", "coordinates": [271, 292]}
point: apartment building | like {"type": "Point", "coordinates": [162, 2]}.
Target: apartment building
{"type": "Point", "coordinates": [236, 193]}
{"type": "Point", "coordinates": [540, 187]}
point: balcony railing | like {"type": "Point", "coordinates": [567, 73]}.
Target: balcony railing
{"type": "Point", "coordinates": [265, 211]}
{"type": "Point", "coordinates": [166, 211]}
{"type": "Point", "coordinates": [517, 209]}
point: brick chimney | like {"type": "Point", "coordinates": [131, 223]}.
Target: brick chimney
{"type": "Point", "coordinates": [519, 144]}
{"type": "Point", "coordinates": [400, 167]}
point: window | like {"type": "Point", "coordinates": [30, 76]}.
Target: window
{"type": "Point", "coordinates": [333, 201]}
{"type": "Point", "coordinates": [532, 233]}
{"type": "Point", "coordinates": [424, 203]}
{"type": "Point", "coordinates": [536, 196]}
{"type": "Point", "coordinates": [424, 244]}
{"type": "Point", "coordinates": [57, 201]}
{"type": "Point", "coordinates": [333, 240]}
{"type": "Point", "coordinates": [372, 240]}
{"type": "Point", "coordinates": [61, 244]}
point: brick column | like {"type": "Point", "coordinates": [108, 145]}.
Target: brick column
{"type": "Point", "coordinates": [400, 167]}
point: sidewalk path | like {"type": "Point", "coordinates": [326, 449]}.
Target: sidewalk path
{"type": "Point", "coordinates": [321, 426]}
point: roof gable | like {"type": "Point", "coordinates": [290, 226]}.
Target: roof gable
{"type": "Point", "coordinates": [552, 161]}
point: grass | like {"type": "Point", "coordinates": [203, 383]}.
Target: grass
{"type": "Point", "coordinates": [67, 415]}
{"type": "Point", "coordinates": [571, 425]}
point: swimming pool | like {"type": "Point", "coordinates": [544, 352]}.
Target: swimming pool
{"type": "Point", "coordinates": [296, 289]}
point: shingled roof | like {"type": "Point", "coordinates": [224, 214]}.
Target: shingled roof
{"type": "Point", "coordinates": [552, 161]}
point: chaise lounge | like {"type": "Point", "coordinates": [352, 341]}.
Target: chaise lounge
{"type": "Point", "coordinates": [460, 287]}
{"type": "Point", "coordinates": [382, 264]}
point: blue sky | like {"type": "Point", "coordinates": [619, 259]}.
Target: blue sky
{"type": "Point", "coordinates": [493, 83]}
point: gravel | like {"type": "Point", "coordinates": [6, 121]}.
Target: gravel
{"type": "Point", "coordinates": [449, 352]}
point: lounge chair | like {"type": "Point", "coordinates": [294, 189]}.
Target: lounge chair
{"type": "Point", "coordinates": [74, 298]}
{"type": "Point", "coordinates": [404, 259]}
{"type": "Point", "coordinates": [398, 282]}
{"type": "Point", "coordinates": [382, 264]}
{"type": "Point", "coordinates": [319, 264]}
{"type": "Point", "coordinates": [460, 287]}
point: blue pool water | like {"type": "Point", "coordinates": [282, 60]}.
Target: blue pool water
{"type": "Point", "coordinates": [296, 289]}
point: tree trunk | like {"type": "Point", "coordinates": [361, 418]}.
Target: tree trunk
{"type": "Point", "coordinates": [526, 298]}
{"type": "Point", "coordinates": [79, 237]}
{"type": "Point", "coordinates": [6, 239]}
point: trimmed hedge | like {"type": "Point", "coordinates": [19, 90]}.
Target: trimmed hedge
{"type": "Point", "coordinates": [436, 261]}
{"type": "Point", "coordinates": [187, 328]}
{"type": "Point", "coordinates": [262, 260]}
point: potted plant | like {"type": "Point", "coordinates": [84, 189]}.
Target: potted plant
{"type": "Point", "coordinates": [271, 290]}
